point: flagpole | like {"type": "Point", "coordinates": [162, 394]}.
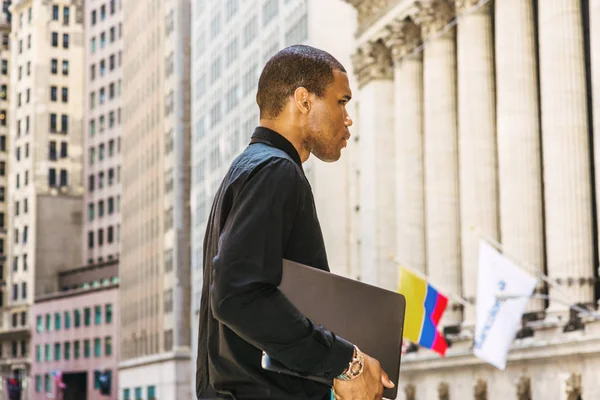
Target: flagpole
{"type": "Point", "coordinates": [526, 266]}
{"type": "Point", "coordinates": [457, 298]}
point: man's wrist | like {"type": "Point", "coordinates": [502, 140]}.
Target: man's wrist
{"type": "Point", "coordinates": [355, 366]}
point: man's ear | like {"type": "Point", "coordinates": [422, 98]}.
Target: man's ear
{"type": "Point", "coordinates": [302, 100]}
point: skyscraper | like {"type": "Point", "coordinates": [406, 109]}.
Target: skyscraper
{"type": "Point", "coordinates": [154, 263]}
{"type": "Point", "coordinates": [232, 41]}
{"type": "Point", "coordinates": [103, 127]}
{"type": "Point", "coordinates": [45, 188]}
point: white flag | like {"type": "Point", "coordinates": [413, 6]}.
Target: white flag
{"type": "Point", "coordinates": [499, 319]}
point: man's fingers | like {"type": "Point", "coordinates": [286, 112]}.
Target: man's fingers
{"type": "Point", "coordinates": [385, 380]}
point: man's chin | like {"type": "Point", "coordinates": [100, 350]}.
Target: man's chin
{"type": "Point", "coordinates": [329, 158]}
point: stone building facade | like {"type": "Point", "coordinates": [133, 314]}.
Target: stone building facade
{"type": "Point", "coordinates": [480, 119]}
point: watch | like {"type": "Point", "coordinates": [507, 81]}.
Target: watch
{"type": "Point", "coordinates": [355, 367]}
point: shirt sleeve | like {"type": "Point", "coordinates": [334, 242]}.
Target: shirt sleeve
{"type": "Point", "coordinates": [247, 272]}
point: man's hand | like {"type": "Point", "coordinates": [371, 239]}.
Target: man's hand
{"type": "Point", "coordinates": [368, 385]}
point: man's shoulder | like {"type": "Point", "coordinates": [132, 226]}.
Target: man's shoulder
{"type": "Point", "coordinates": [259, 157]}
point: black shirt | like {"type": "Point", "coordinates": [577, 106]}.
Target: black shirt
{"type": "Point", "coordinates": [263, 212]}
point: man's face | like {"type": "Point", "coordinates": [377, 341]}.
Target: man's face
{"type": "Point", "coordinates": [329, 121]}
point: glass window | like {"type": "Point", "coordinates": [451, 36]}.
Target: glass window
{"type": "Point", "coordinates": [87, 316]}
{"type": "Point", "coordinates": [65, 67]}
{"type": "Point", "coordinates": [55, 12]}
{"type": "Point", "coordinates": [38, 383]}
{"type": "Point", "coordinates": [76, 349]}
{"type": "Point", "coordinates": [57, 321]}
{"type": "Point", "coordinates": [48, 351]}
{"type": "Point", "coordinates": [40, 323]}
{"type": "Point", "coordinates": [97, 347]}
{"type": "Point", "coordinates": [66, 15]}
{"type": "Point", "coordinates": [97, 315]}
{"type": "Point", "coordinates": [138, 393]}
{"type": "Point", "coordinates": [38, 352]}
{"type": "Point", "coordinates": [48, 322]}
{"type": "Point", "coordinates": [126, 394]}
{"type": "Point", "coordinates": [108, 346]}
{"type": "Point", "coordinates": [67, 350]}
{"type": "Point", "coordinates": [108, 313]}
{"type": "Point", "coordinates": [86, 348]}
{"type": "Point", "coordinates": [54, 39]}
{"type": "Point", "coordinates": [65, 40]}
{"type": "Point", "coordinates": [151, 393]}
{"type": "Point", "coordinates": [56, 351]}
{"type": "Point", "coordinates": [67, 319]}
{"type": "Point", "coordinates": [77, 318]}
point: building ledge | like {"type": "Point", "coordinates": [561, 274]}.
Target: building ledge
{"type": "Point", "coordinates": [181, 354]}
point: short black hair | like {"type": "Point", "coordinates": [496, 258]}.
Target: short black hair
{"type": "Point", "coordinates": [293, 67]}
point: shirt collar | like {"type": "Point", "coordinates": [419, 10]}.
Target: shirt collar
{"type": "Point", "coordinates": [274, 139]}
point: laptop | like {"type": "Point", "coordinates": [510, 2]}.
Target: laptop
{"type": "Point", "coordinates": [370, 317]}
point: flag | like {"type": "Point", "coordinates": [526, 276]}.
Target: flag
{"type": "Point", "coordinates": [499, 319]}
{"type": "Point", "coordinates": [57, 374]}
{"type": "Point", "coordinates": [424, 309]}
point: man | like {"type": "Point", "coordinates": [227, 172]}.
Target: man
{"type": "Point", "coordinates": [263, 212]}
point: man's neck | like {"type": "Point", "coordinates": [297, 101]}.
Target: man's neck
{"type": "Point", "coordinates": [290, 134]}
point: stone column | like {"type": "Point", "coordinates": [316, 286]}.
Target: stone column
{"type": "Point", "coordinates": [594, 13]}
{"type": "Point", "coordinates": [404, 37]}
{"type": "Point", "coordinates": [374, 68]}
{"type": "Point", "coordinates": [441, 151]}
{"type": "Point", "coordinates": [476, 140]}
{"type": "Point", "coordinates": [518, 132]}
{"type": "Point", "coordinates": [567, 180]}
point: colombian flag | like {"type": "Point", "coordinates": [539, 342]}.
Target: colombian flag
{"type": "Point", "coordinates": [424, 308]}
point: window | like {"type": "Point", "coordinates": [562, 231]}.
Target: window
{"type": "Point", "coordinates": [3, 143]}
{"type": "Point", "coordinates": [102, 40]}
{"type": "Point", "coordinates": [3, 92]}
{"type": "Point", "coordinates": [25, 231]}
{"type": "Point", "coordinates": [52, 177]}
{"type": "Point", "coordinates": [100, 208]}
{"type": "Point", "coordinates": [55, 13]}
{"type": "Point", "coordinates": [4, 67]}
{"type": "Point", "coordinates": [2, 168]}
{"type": "Point", "coordinates": [64, 181]}
{"type": "Point", "coordinates": [108, 314]}
{"type": "Point", "coordinates": [77, 313]}
{"type": "Point", "coordinates": [57, 321]}
{"type": "Point", "coordinates": [56, 351]}
{"type": "Point", "coordinates": [65, 40]}
{"type": "Point", "coordinates": [67, 350]}
{"type": "Point", "coordinates": [90, 239]}
{"type": "Point", "coordinates": [111, 62]}
{"type": "Point", "coordinates": [111, 205]}
{"type": "Point", "coordinates": [48, 322]}
{"type": "Point", "coordinates": [54, 39]}
{"type": "Point", "coordinates": [53, 122]}
{"type": "Point", "coordinates": [108, 346]}
{"type": "Point", "coordinates": [126, 394]}
{"type": "Point", "coordinates": [100, 237]}
{"type": "Point", "coordinates": [52, 151]}
{"type": "Point", "coordinates": [2, 193]}
{"type": "Point", "coordinates": [112, 34]}
{"type": "Point", "coordinates": [25, 255]}
{"type": "Point", "coordinates": [15, 297]}
{"type": "Point", "coordinates": [151, 393]}
{"type": "Point", "coordinates": [48, 352]}
{"type": "Point", "coordinates": [92, 127]}
{"type": "Point", "coordinates": [54, 66]}
{"type": "Point", "coordinates": [86, 348]}
{"type": "Point", "coordinates": [66, 15]}
{"type": "Point", "coordinates": [94, 17]}
{"type": "Point", "coordinates": [65, 67]}
{"type": "Point", "coordinates": [112, 7]}
{"type": "Point", "coordinates": [103, 12]}
{"type": "Point", "coordinates": [97, 347]}
{"type": "Point", "coordinates": [64, 122]}
{"type": "Point", "coordinates": [91, 180]}
{"type": "Point", "coordinates": [91, 211]}
{"type": "Point", "coordinates": [67, 320]}
{"type": "Point", "coordinates": [3, 117]}
{"type": "Point", "coordinates": [64, 150]}
{"type": "Point", "coordinates": [97, 315]}
{"type": "Point", "coordinates": [76, 349]}
{"type": "Point", "coordinates": [15, 319]}
{"type": "Point", "coordinates": [110, 234]}
{"type": "Point", "coordinates": [39, 324]}
{"type": "Point", "coordinates": [38, 381]}
{"type": "Point", "coordinates": [138, 393]}
{"type": "Point", "coordinates": [93, 73]}
{"type": "Point", "coordinates": [93, 45]}
{"type": "Point", "coordinates": [65, 94]}
{"type": "Point", "coordinates": [38, 353]}
{"type": "Point", "coordinates": [87, 316]}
